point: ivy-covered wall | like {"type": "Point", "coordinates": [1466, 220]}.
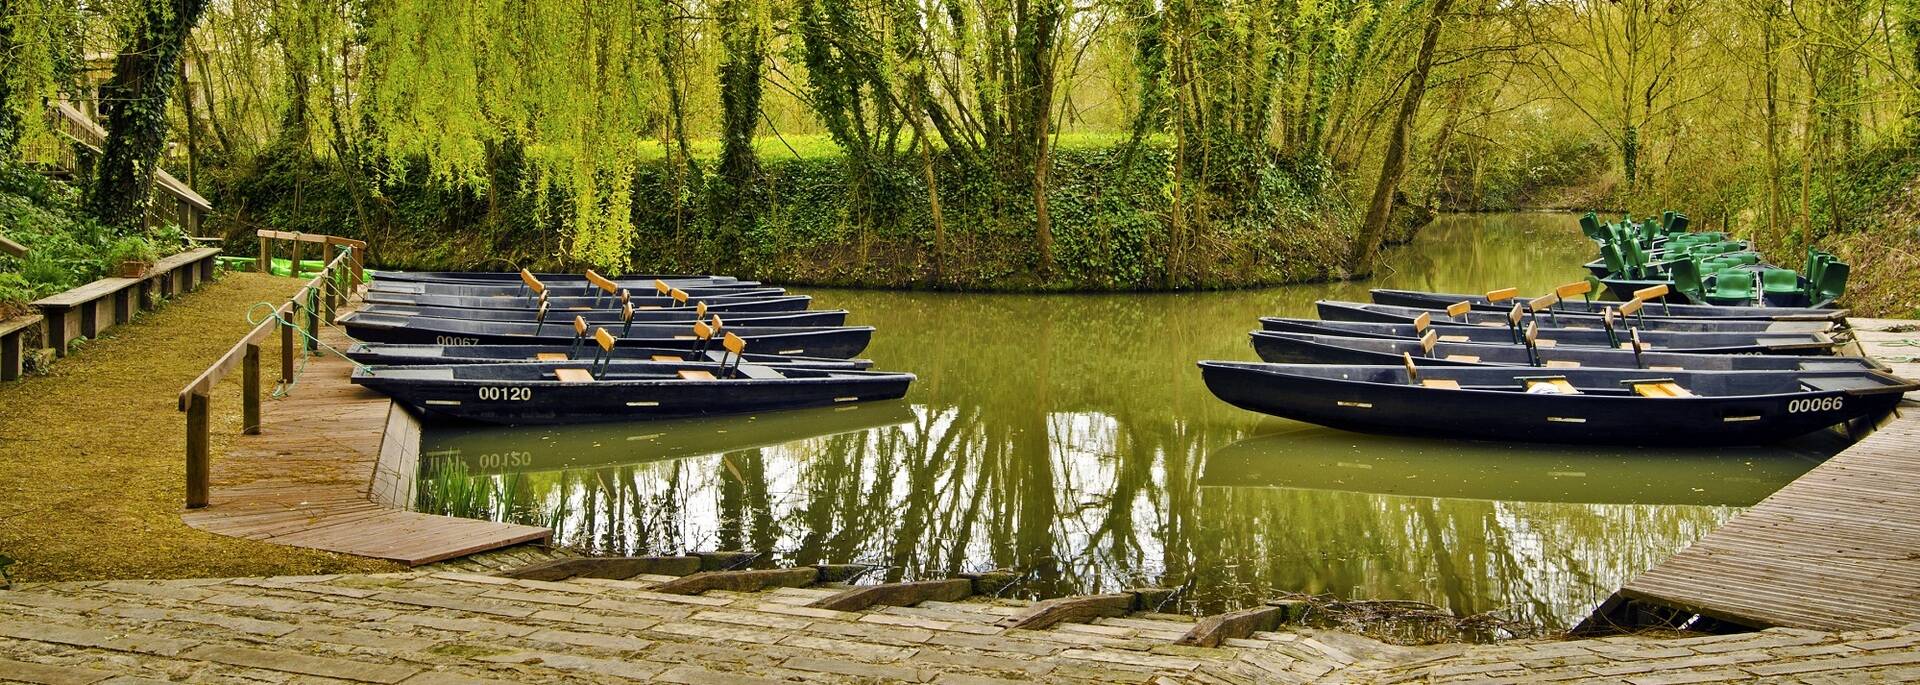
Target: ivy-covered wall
{"type": "Point", "coordinates": [1113, 228]}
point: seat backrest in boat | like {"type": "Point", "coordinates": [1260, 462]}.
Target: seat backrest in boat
{"type": "Point", "coordinates": [1575, 288]}
{"type": "Point", "coordinates": [533, 284]}
{"type": "Point", "coordinates": [579, 325]}
{"type": "Point", "coordinates": [1543, 302]}
{"type": "Point", "coordinates": [601, 282]}
{"type": "Point", "coordinates": [1458, 309]}
{"type": "Point", "coordinates": [660, 286]}
{"type": "Point", "coordinates": [1651, 292]}
{"type": "Point", "coordinates": [605, 339]}
{"type": "Point", "coordinates": [1632, 307]}
{"type": "Point", "coordinates": [1502, 294]}
{"type": "Point", "coordinates": [1421, 322]}
{"type": "Point", "coordinates": [1428, 340]}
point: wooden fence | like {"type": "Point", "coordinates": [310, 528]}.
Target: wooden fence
{"type": "Point", "coordinates": [316, 302]}
{"type": "Point", "coordinates": [267, 238]}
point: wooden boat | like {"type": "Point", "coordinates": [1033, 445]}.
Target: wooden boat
{"type": "Point", "coordinates": [678, 315]}
{"type": "Point", "coordinates": [1307, 348]}
{"type": "Point", "coordinates": [1333, 310]}
{"type": "Point", "coordinates": [839, 342]}
{"type": "Point", "coordinates": [1708, 408]}
{"type": "Point", "coordinates": [513, 278]}
{"type": "Point", "coordinates": [1709, 343]}
{"type": "Point", "coordinates": [1504, 299]}
{"type": "Point", "coordinates": [545, 393]}
{"type": "Point", "coordinates": [781, 303]}
{"type": "Point", "coordinates": [516, 290]}
{"type": "Point", "coordinates": [388, 354]}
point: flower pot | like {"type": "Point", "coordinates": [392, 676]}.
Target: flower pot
{"type": "Point", "coordinates": [133, 268]}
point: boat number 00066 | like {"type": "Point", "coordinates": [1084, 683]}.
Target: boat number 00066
{"type": "Point", "coordinates": [1815, 404]}
{"type": "Point", "coordinates": [507, 394]}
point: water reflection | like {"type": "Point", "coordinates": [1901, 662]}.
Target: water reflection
{"type": "Point", "coordinates": [1069, 437]}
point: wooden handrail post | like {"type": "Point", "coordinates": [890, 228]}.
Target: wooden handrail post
{"type": "Point", "coordinates": [313, 321]}
{"type": "Point", "coordinates": [359, 268]}
{"type": "Point", "coordinates": [286, 344]}
{"type": "Point", "coordinates": [197, 459]}
{"type": "Point", "coordinates": [250, 375]}
{"type": "Point", "coordinates": [293, 268]}
{"type": "Point", "coordinates": [266, 255]}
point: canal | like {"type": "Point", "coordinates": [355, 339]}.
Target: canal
{"type": "Point", "coordinates": [1069, 438]}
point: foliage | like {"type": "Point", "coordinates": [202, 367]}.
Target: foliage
{"type": "Point", "coordinates": [132, 248]}
{"type": "Point", "coordinates": [66, 246]}
{"type": "Point", "coordinates": [135, 102]}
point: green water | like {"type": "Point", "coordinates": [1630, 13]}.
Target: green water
{"type": "Point", "coordinates": [1069, 437]}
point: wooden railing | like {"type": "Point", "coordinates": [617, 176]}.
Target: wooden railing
{"type": "Point", "coordinates": [317, 300]}
{"type": "Point", "coordinates": [267, 238]}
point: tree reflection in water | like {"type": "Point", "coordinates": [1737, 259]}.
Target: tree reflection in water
{"type": "Point", "coordinates": [1068, 437]}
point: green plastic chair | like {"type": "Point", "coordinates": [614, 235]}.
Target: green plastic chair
{"type": "Point", "coordinates": [1732, 288]}
{"type": "Point", "coordinates": [1685, 274]}
{"type": "Point", "coordinates": [1833, 282]}
{"type": "Point", "coordinates": [1817, 261]}
{"type": "Point", "coordinates": [1743, 258]}
{"type": "Point", "coordinates": [1590, 226]}
{"type": "Point", "coordinates": [1779, 282]}
{"type": "Point", "coordinates": [1616, 262]}
{"type": "Point", "coordinates": [1678, 224]}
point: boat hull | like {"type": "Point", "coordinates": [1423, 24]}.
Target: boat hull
{"type": "Point", "coordinates": [1402, 409]}
{"type": "Point", "coordinates": [1414, 298]}
{"type": "Point", "coordinates": [521, 303]}
{"type": "Point", "coordinates": [1302, 348]}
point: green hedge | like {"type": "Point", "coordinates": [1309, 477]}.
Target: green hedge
{"type": "Point", "coordinates": [1113, 229]}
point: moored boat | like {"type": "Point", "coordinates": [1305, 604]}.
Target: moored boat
{"type": "Point", "coordinates": [1713, 343]}
{"type": "Point", "coordinates": [389, 354]}
{"type": "Point", "coordinates": [616, 316]}
{"type": "Point", "coordinates": [838, 342]}
{"type": "Point", "coordinates": [537, 393]}
{"type": "Point", "coordinates": [1559, 405]}
{"type": "Point", "coordinates": [514, 278]}
{"type": "Point", "coordinates": [588, 291]}
{"type": "Point", "coordinates": [1333, 310]}
{"type": "Point", "coordinates": [1307, 348]}
{"type": "Point", "coordinates": [1504, 299]}
{"type": "Point", "coordinates": [751, 303]}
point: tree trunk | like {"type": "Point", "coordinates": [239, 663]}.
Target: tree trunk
{"type": "Point", "coordinates": [135, 103]}
{"type": "Point", "coordinates": [1394, 165]}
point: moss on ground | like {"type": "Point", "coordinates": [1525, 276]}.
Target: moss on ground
{"type": "Point", "coordinates": [94, 478]}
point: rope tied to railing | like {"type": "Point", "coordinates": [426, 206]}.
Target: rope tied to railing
{"type": "Point", "coordinates": [1903, 342]}
{"type": "Point", "coordinates": [273, 312]}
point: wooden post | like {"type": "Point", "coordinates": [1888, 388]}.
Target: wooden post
{"type": "Point", "coordinates": [293, 267]}
{"type": "Point", "coordinates": [313, 321]}
{"type": "Point", "coordinates": [286, 343]}
{"type": "Point", "coordinates": [359, 267]}
{"type": "Point", "coordinates": [266, 255]}
{"type": "Point", "coordinates": [250, 414]}
{"type": "Point", "coordinates": [197, 459]}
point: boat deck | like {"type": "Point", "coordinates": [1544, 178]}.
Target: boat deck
{"type": "Point", "coordinates": [1833, 550]}
{"type": "Point", "coordinates": [307, 479]}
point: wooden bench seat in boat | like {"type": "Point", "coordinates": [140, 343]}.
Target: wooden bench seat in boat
{"type": "Point", "coordinates": [1660, 388]}
{"type": "Point", "coordinates": [573, 375]}
{"type": "Point", "coordinates": [550, 356]}
{"type": "Point", "coordinates": [697, 374]}
{"type": "Point", "coordinates": [1558, 383]}
{"type": "Point", "coordinates": [757, 371]}
{"type": "Point", "coordinates": [1442, 383]}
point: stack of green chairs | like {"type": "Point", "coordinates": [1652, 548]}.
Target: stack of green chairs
{"type": "Point", "coordinates": [1832, 283]}
{"type": "Point", "coordinates": [1686, 279]}
{"type": "Point", "coordinates": [1780, 285]}
{"type": "Point", "coordinates": [1590, 226]}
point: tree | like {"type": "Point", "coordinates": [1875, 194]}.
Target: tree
{"type": "Point", "coordinates": [1393, 164]}
{"type": "Point", "coordinates": [135, 101]}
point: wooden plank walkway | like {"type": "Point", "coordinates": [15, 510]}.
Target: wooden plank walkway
{"type": "Point", "coordinates": [306, 479]}
{"type": "Point", "coordinates": [1837, 549]}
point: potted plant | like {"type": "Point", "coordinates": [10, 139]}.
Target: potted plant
{"type": "Point", "coordinates": [132, 255]}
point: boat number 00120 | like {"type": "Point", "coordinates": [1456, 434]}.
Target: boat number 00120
{"type": "Point", "coordinates": [1815, 404]}
{"type": "Point", "coordinates": [506, 394]}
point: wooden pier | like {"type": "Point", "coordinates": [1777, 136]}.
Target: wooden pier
{"type": "Point", "coordinates": [306, 476]}
{"type": "Point", "coordinates": [1837, 549]}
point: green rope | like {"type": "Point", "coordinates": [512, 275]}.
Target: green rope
{"type": "Point", "coordinates": [273, 312]}
{"type": "Point", "coordinates": [1903, 342]}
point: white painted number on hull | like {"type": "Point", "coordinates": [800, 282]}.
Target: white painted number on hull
{"type": "Point", "coordinates": [455, 340]}
{"type": "Point", "coordinates": [1812, 404]}
{"type": "Point", "coordinates": [506, 394]}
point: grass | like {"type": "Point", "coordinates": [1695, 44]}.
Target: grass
{"type": "Point", "coordinates": [95, 479]}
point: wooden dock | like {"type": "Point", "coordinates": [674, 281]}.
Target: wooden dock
{"type": "Point", "coordinates": [1837, 549]}
{"type": "Point", "coordinates": [307, 479]}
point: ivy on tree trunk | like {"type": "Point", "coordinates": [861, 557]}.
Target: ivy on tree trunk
{"type": "Point", "coordinates": [135, 103]}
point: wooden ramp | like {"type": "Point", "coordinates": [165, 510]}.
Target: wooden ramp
{"type": "Point", "coordinates": [1837, 549]}
{"type": "Point", "coordinates": [306, 479]}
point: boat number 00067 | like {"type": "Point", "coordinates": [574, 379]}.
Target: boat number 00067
{"type": "Point", "coordinates": [507, 394]}
{"type": "Point", "coordinates": [1815, 404]}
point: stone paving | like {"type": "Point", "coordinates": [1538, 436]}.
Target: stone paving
{"type": "Point", "coordinates": [439, 626]}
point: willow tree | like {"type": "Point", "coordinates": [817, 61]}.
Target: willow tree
{"type": "Point", "coordinates": [1393, 164]}
{"type": "Point", "coordinates": [135, 101]}
{"type": "Point", "coordinates": [37, 52]}
{"type": "Point", "coordinates": [738, 197]}
{"type": "Point", "coordinates": [569, 83]}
